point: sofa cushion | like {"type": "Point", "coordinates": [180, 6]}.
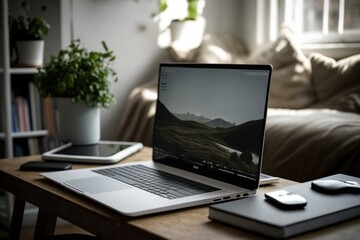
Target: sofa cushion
{"type": "Point", "coordinates": [221, 48]}
{"type": "Point", "coordinates": [336, 83]}
{"type": "Point", "coordinates": [291, 85]}
{"type": "Point", "coordinates": [330, 76]}
{"type": "Point", "coordinates": [307, 144]}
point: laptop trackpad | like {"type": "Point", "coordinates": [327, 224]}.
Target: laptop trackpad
{"type": "Point", "coordinates": [96, 184]}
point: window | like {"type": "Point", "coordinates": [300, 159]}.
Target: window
{"type": "Point", "coordinates": [324, 21]}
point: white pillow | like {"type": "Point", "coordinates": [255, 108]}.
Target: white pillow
{"type": "Point", "coordinates": [221, 48]}
{"type": "Point", "coordinates": [291, 85]}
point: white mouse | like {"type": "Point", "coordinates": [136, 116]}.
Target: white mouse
{"type": "Point", "coordinates": [286, 200]}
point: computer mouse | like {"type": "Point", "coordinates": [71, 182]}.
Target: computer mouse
{"type": "Point", "coordinates": [335, 186]}
{"type": "Point", "coordinates": [286, 200]}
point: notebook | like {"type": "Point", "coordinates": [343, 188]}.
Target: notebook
{"type": "Point", "coordinates": [207, 143]}
{"type": "Point", "coordinates": [258, 215]}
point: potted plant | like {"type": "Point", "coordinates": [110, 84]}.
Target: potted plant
{"type": "Point", "coordinates": [26, 37]}
{"type": "Point", "coordinates": [80, 81]}
{"type": "Point", "coordinates": [187, 25]}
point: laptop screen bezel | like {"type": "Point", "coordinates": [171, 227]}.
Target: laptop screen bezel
{"type": "Point", "coordinates": [205, 171]}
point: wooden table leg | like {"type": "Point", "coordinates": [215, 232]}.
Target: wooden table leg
{"type": "Point", "coordinates": [45, 224]}
{"type": "Point", "coordinates": [17, 218]}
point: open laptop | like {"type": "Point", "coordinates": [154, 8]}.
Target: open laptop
{"type": "Point", "coordinates": [207, 144]}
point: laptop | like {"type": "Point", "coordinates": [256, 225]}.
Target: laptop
{"type": "Point", "coordinates": [207, 143]}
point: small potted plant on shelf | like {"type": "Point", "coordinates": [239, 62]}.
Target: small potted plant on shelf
{"type": "Point", "coordinates": [79, 80]}
{"type": "Point", "coordinates": [187, 25]}
{"type": "Point", "coordinates": [26, 37]}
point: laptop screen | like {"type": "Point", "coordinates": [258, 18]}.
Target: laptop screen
{"type": "Point", "coordinates": [210, 119]}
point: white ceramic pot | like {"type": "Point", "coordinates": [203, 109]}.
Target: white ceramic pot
{"type": "Point", "coordinates": [78, 123]}
{"type": "Point", "coordinates": [30, 53]}
{"type": "Point", "coordinates": [188, 34]}
{"type": "Point", "coordinates": [186, 37]}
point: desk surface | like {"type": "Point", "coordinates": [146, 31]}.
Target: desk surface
{"type": "Point", "coordinates": [181, 224]}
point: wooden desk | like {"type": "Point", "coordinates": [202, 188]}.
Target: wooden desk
{"type": "Point", "coordinates": [193, 223]}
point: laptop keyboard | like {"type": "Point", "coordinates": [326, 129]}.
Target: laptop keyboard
{"type": "Point", "coordinates": [157, 182]}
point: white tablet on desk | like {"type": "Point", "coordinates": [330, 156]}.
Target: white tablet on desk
{"type": "Point", "coordinates": [268, 179]}
{"type": "Point", "coordinates": [104, 152]}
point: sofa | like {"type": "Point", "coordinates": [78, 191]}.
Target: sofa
{"type": "Point", "coordinates": [313, 121]}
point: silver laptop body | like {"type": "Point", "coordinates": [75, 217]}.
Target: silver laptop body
{"type": "Point", "coordinates": [209, 128]}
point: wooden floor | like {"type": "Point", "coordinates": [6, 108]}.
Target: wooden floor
{"type": "Point", "coordinates": [28, 232]}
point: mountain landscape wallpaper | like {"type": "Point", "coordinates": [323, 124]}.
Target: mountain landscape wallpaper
{"type": "Point", "coordinates": [213, 142]}
{"type": "Point", "coordinates": [211, 116]}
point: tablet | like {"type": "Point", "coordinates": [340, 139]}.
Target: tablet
{"type": "Point", "coordinates": [267, 179]}
{"type": "Point", "coordinates": [104, 152]}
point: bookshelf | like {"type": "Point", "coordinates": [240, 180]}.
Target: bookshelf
{"type": "Point", "coordinates": [22, 110]}
{"type": "Point", "coordinates": [23, 130]}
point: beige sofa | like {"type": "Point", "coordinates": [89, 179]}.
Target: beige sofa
{"type": "Point", "coordinates": [313, 123]}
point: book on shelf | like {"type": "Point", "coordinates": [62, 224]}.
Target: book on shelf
{"type": "Point", "coordinates": [27, 109]}
{"type": "Point", "coordinates": [33, 145]}
{"type": "Point", "coordinates": [35, 107]}
{"type": "Point", "coordinates": [27, 113]}
{"type": "Point", "coordinates": [258, 215]}
{"type": "Point", "coordinates": [49, 117]}
{"type": "Point", "coordinates": [23, 114]}
{"type": "Point", "coordinates": [14, 117]}
{"type": "Point", "coordinates": [20, 105]}
{"type": "Point", "coordinates": [29, 146]}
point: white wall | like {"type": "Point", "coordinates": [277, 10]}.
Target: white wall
{"type": "Point", "coordinates": [128, 29]}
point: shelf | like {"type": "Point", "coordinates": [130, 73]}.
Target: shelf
{"type": "Point", "coordinates": [23, 70]}
{"type": "Point", "coordinates": [37, 133]}
{"type": "Point", "coordinates": [15, 76]}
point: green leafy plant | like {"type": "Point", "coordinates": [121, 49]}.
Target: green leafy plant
{"type": "Point", "coordinates": [78, 74]}
{"type": "Point", "coordinates": [194, 8]}
{"type": "Point", "coordinates": [27, 27]}
{"type": "Point", "coordinates": [193, 13]}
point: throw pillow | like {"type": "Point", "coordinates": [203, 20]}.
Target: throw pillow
{"type": "Point", "coordinates": [336, 83]}
{"type": "Point", "coordinates": [221, 48]}
{"type": "Point", "coordinates": [349, 102]}
{"type": "Point", "coordinates": [346, 100]}
{"type": "Point", "coordinates": [291, 86]}
{"type": "Point", "coordinates": [282, 52]}
{"type": "Point", "coordinates": [331, 76]}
